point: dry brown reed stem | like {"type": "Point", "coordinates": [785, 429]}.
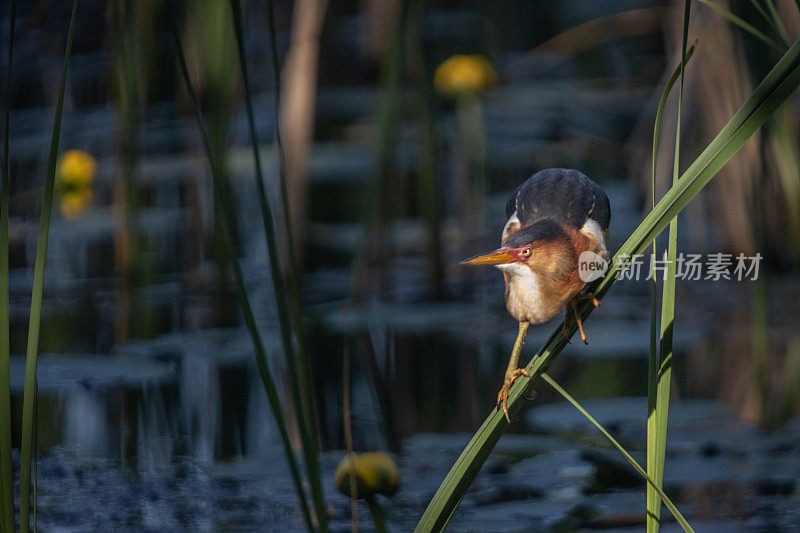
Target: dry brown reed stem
{"type": "Point", "coordinates": [381, 17]}
{"type": "Point", "coordinates": [790, 15]}
{"type": "Point", "coordinates": [297, 106]}
{"type": "Point", "coordinates": [590, 35]}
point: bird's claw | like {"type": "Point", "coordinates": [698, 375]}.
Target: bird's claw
{"type": "Point", "coordinates": [565, 334]}
{"type": "Point", "coordinates": [502, 396]}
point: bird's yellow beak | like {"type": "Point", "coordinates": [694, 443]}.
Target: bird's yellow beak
{"type": "Point", "coordinates": [497, 257]}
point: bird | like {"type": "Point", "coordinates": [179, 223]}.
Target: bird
{"type": "Point", "coordinates": [552, 218]}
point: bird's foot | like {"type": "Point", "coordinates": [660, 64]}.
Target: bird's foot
{"type": "Point", "coordinates": [587, 296]}
{"type": "Point", "coordinates": [580, 329]}
{"type": "Point", "coordinates": [502, 396]}
{"type": "Point", "coordinates": [574, 306]}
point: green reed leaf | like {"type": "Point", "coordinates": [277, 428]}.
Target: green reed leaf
{"type": "Point", "coordinates": [6, 469]}
{"type": "Point", "coordinates": [29, 395]}
{"type": "Point", "coordinates": [657, 418]}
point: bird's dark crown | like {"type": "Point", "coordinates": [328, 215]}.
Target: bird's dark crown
{"type": "Point", "coordinates": [543, 230]}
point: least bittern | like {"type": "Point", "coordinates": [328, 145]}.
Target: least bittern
{"type": "Point", "coordinates": [553, 218]}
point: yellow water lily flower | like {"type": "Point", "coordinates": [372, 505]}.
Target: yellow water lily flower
{"type": "Point", "coordinates": [376, 473]}
{"type": "Point", "coordinates": [76, 169]}
{"type": "Point", "coordinates": [74, 176]}
{"type": "Point", "coordinates": [464, 74]}
{"type": "Point", "coordinates": [75, 203]}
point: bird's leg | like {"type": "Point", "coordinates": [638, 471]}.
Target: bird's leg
{"type": "Point", "coordinates": [574, 305]}
{"type": "Point", "coordinates": [512, 372]}
{"type": "Point", "coordinates": [565, 327]}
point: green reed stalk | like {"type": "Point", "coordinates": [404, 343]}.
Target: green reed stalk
{"type": "Point", "coordinates": [652, 367]}
{"type": "Point", "coordinates": [650, 482]}
{"type": "Point", "coordinates": [227, 214]}
{"type": "Point", "coordinates": [773, 90]}
{"type": "Point", "coordinates": [377, 515]}
{"type": "Point", "coordinates": [779, 26]}
{"type": "Point", "coordinates": [652, 381]}
{"type": "Point", "coordinates": [296, 364]}
{"type": "Point", "coordinates": [6, 469]}
{"type": "Point", "coordinates": [657, 418]}
{"type": "Point", "coordinates": [756, 4]}
{"type": "Point", "coordinates": [774, 20]}
{"type": "Point", "coordinates": [29, 396]}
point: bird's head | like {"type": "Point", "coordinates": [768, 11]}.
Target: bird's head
{"type": "Point", "coordinates": [522, 248]}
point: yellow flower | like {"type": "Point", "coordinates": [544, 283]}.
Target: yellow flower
{"type": "Point", "coordinates": [376, 473]}
{"type": "Point", "coordinates": [75, 170]}
{"type": "Point", "coordinates": [74, 176]}
{"type": "Point", "coordinates": [464, 74]}
{"type": "Point", "coordinates": [76, 203]}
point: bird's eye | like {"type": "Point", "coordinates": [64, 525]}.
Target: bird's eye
{"type": "Point", "coordinates": [526, 252]}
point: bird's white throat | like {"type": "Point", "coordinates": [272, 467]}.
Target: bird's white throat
{"type": "Point", "coordinates": [524, 298]}
{"type": "Point", "coordinates": [515, 269]}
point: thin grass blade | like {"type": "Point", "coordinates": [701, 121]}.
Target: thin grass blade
{"type": "Point", "coordinates": [770, 20]}
{"type": "Point", "coordinates": [778, 22]}
{"type": "Point", "coordinates": [743, 24]}
{"type": "Point", "coordinates": [774, 89]}
{"type": "Point", "coordinates": [6, 469]}
{"type": "Point", "coordinates": [651, 483]}
{"type": "Point", "coordinates": [29, 395]}
{"type": "Point", "coordinates": [756, 4]}
{"type": "Point", "coordinates": [296, 363]}
{"type": "Point", "coordinates": [652, 388]}
{"type": "Point", "coordinates": [652, 377]}
{"type": "Point", "coordinates": [657, 420]}
{"type": "Point", "coordinates": [226, 218]}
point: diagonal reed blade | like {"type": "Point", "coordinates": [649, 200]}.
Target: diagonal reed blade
{"type": "Point", "coordinates": [29, 396]}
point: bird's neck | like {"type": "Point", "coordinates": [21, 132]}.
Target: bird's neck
{"type": "Point", "coordinates": [539, 288]}
{"type": "Point", "coordinates": [524, 299]}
